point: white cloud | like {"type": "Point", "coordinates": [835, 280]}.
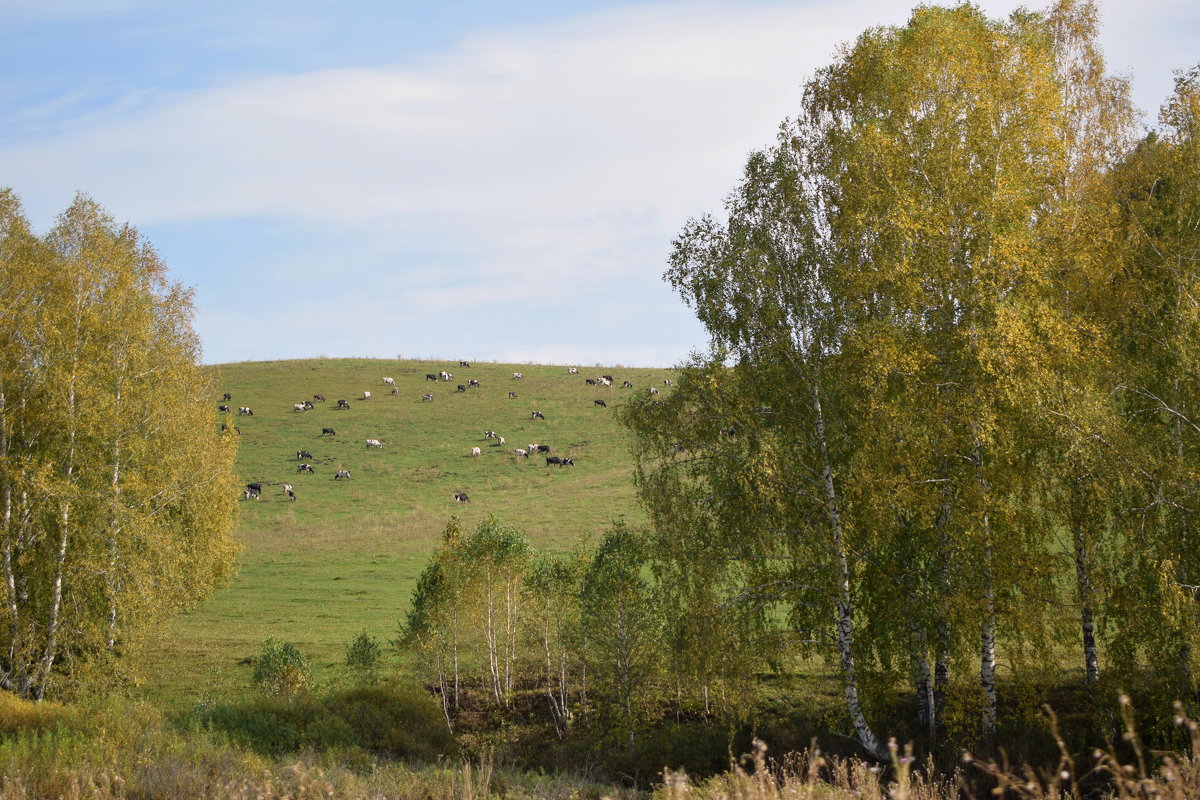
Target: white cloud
{"type": "Point", "coordinates": [539, 165]}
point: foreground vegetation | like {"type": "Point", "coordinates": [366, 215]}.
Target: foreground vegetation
{"type": "Point", "coordinates": [111, 751]}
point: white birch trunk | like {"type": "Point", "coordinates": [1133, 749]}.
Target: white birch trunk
{"type": "Point", "coordinates": [844, 615]}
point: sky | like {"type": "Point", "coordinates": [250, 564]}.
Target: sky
{"type": "Point", "coordinates": [448, 180]}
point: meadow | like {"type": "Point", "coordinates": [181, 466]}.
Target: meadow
{"type": "Point", "coordinates": [343, 557]}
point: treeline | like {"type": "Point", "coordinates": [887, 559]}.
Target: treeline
{"type": "Point", "coordinates": [946, 435]}
{"type": "Point", "coordinates": [116, 493]}
{"type": "Point", "coordinates": [494, 617]}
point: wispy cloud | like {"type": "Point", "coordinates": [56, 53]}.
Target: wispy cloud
{"type": "Point", "coordinates": [545, 164]}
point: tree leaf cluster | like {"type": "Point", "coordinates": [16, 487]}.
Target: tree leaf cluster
{"type": "Point", "coordinates": [117, 494]}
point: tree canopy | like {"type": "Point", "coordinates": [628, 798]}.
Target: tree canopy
{"type": "Point", "coordinates": [117, 493]}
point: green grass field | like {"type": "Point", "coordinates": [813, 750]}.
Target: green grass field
{"type": "Point", "coordinates": [343, 558]}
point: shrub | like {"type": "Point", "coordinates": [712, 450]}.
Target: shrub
{"type": "Point", "coordinates": [363, 657]}
{"type": "Point", "coordinates": [281, 671]}
{"type": "Point", "coordinates": [393, 721]}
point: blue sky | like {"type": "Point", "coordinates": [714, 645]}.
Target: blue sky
{"type": "Point", "coordinates": [478, 180]}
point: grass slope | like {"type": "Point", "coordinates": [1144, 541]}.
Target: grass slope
{"type": "Point", "coordinates": [343, 558]}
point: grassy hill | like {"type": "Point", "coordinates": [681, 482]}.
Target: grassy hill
{"type": "Point", "coordinates": [344, 556]}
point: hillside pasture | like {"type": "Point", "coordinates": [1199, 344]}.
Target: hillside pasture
{"type": "Point", "coordinates": [344, 556]}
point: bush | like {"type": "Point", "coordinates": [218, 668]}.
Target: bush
{"type": "Point", "coordinates": [363, 657]}
{"type": "Point", "coordinates": [392, 721]}
{"type": "Point", "coordinates": [17, 715]}
{"type": "Point", "coordinates": [281, 671]}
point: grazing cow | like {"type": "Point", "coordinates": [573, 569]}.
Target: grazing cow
{"type": "Point", "coordinates": [445, 375]}
{"type": "Point", "coordinates": [608, 378]}
{"type": "Point", "coordinates": [306, 468]}
{"type": "Point", "coordinates": [572, 371]}
{"type": "Point", "coordinates": [489, 434]}
{"type": "Point", "coordinates": [222, 408]}
{"type": "Point", "coordinates": [566, 462]}
{"type": "Point", "coordinates": [532, 448]}
{"type": "Point", "coordinates": [299, 407]}
{"type": "Point", "coordinates": [389, 381]}
{"type": "Point", "coordinates": [343, 404]}
{"type": "Point", "coordinates": [461, 497]}
{"type": "Point", "coordinates": [287, 488]}
{"type": "Point", "coordinates": [290, 494]}
{"type": "Point", "coordinates": [475, 451]}
{"type": "Point", "coordinates": [626, 385]}
{"type": "Point", "coordinates": [245, 410]}
{"type": "Point", "coordinates": [590, 381]}
{"type": "Point", "coordinates": [543, 448]}
{"type": "Point", "coordinates": [427, 398]}
{"type": "Point", "coordinates": [302, 455]}
{"type": "Point", "coordinates": [463, 364]}
{"type": "Point", "coordinates": [512, 395]}
{"type": "Point", "coordinates": [667, 382]}
{"type": "Point", "coordinates": [320, 398]}
{"type": "Point", "coordinates": [553, 460]}
{"type": "Point", "coordinates": [521, 453]}
{"type": "Point", "coordinates": [600, 403]}
{"type": "Point", "coordinates": [653, 390]}
{"type": "Point", "coordinates": [429, 376]}
{"type": "Point", "coordinates": [537, 415]}
{"type": "Point", "coordinates": [374, 443]}
{"type": "Point", "coordinates": [499, 441]}
{"type": "Point", "coordinates": [342, 473]}
{"type": "Point", "coordinates": [366, 395]}
{"type": "Point", "coordinates": [517, 375]}
{"type": "Point", "coordinates": [473, 382]}
{"type": "Point", "coordinates": [254, 487]}
{"type": "Point", "coordinates": [308, 404]}
{"type": "Point", "coordinates": [605, 382]}
{"type": "Point", "coordinates": [395, 390]}
{"type": "Point", "coordinates": [328, 432]}
{"type": "Point", "coordinates": [249, 495]}
{"type": "Point", "coordinates": [461, 388]}
{"type": "Point", "coordinates": [227, 396]}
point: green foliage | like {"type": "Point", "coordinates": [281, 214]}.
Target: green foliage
{"type": "Point", "coordinates": [116, 493]}
{"type": "Point", "coordinates": [364, 656]}
{"type": "Point", "coordinates": [281, 670]}
{"type": "Point", "coordinates": [621, 637]}
{"type": "Point", "coordinates": [393, 721]}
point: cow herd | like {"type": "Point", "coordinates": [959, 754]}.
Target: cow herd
{"type": "Point", "coordinates": [304, 457]}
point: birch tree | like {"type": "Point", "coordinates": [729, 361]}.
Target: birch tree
{"type": "Point", "coordinates": [886, 274]}
{"type": "Point", "coordinates": [118, 493]}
